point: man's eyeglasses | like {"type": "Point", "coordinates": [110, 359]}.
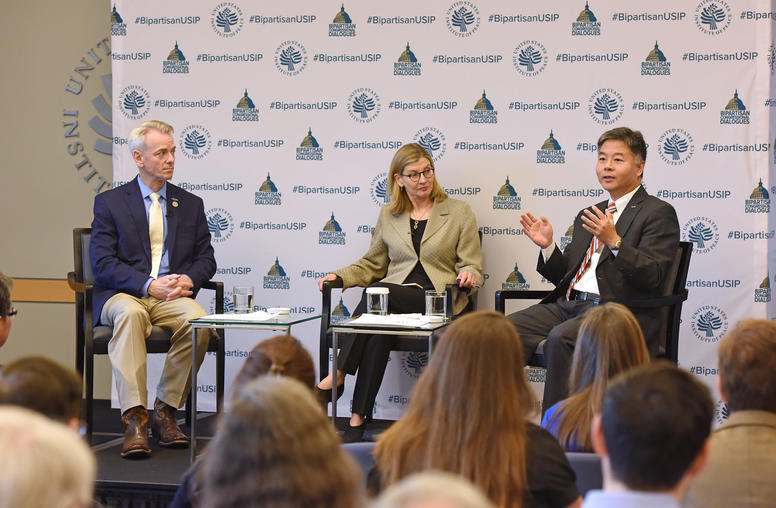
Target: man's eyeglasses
{"type": "Point", "coordinates": [12, 312]}
{"type": "Point", "coordinates": [416, 176]}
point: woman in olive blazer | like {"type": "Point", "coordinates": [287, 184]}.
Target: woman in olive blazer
{"type": "Point", "coordinates": [423, 240]}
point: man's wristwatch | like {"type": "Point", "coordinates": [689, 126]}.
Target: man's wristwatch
{"type": "Point", "coordinates": [617, 245]}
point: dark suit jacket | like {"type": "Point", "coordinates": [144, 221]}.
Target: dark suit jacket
{"type": "Point", "coordinates": [120, 248]}
{"type": "Point", "coordinates": [650, 238]}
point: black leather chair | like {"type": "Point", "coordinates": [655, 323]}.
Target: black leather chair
{"type": "Point", "coordinates": [673, 296]}
{"type": "Point", "coordinates": [91, 340]}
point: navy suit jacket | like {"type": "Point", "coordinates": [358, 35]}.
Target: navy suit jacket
{"type": "Point", "coordinates": [120, 248]}
{"type": "Point", "coordinates": [650, 238]}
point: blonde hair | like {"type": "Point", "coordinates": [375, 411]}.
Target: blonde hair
{"type": "Point", "coordinates": [276, 448]}
{"type": "Point", "coordinates": [43, 464]}
{"type": "Point", "coordinates": [136, 138]}
{"type": "Point", "coordinates": [442, 489]}
{"type": "Point", "coordinates": [610, 341]}
{"type": "Point", "coordinates": [407, 154]}
{"type": "Point", "coordinates": [468, 412]}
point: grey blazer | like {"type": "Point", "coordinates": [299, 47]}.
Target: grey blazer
{"type": "Point", "coordinates": [450, 246]}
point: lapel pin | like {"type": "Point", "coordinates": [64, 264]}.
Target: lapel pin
{"type": "Point", "coordinates": [174, 203]}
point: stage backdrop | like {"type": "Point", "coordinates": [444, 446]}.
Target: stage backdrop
{"type": "Point", "coordinates": [287, 114]}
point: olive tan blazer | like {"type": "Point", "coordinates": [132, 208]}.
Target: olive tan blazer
{"type": "Point", "coordinates": [450, 246]}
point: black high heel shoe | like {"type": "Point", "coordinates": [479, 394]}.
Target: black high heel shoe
{"type": "Point", "coordinates": [354, 434]}
{"type": "Point", "coordinates": [324, 396]}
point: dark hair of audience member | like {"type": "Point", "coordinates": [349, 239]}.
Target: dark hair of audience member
{"type": "Point", "coordinates": [467, 414]}
{"type": "Point", "coordinates": [655, 420]}
{"type": "Point", "coordinates": [276, 448]}
{"type": "Point", "coordinates": [610, 341]}
{"type": "Point", "coordinates": [43, 385]}
{"type": "Point", "coordinates": [747, 355]}
{"type": "Point", "coordinates": [281, 355]}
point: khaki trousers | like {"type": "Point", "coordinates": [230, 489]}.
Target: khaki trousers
{"type": "Point", "coordinates": [132, 319]}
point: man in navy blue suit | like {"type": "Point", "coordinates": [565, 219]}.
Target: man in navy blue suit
{"type": "Point", "coordinates": [150, 251]}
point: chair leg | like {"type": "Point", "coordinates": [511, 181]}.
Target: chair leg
{"type": "Point", "coordinates": [89, 396]}
{"type": "Point", "coordinates": [188, 410]}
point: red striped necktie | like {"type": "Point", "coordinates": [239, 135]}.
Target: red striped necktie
{"type": "Point", "coordinates": [594, 246]}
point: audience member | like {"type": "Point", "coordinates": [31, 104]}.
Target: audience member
{"type": "Point", "coordinates": [45, 386]}
{"type": "Point", "coordinates": [6, 310]}
{"type": "Point", "coordinates": [275, 447]}
{"type": "Point", "coordinates": [432, 490]}
{"type": "Point", "coordinates": [609, 342]}
{"type": "Point", "coordinates": [280, 355]}
{"type": "Point", "coordinates": [652, 436]}
{"type": "Point", "coordinates": [742, 461]}
{"type": "Point", "coordinates": [42, 463]}
{"type": "Point", "coordinates": [468, 415]}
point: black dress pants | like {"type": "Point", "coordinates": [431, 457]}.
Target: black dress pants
{"type": "Point", "coordinates": [558, 322]}
{"type": "Point", "coordinates": [368, 354]}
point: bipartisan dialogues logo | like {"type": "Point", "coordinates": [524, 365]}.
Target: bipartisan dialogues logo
{"type": "Point", "coordinates": [117, 26]}
{"type": "Point", "coordinates": [407, 64]}
{"type": "Point", "coordinates": [378, 189]}
{"type": "Point", "coordinates": [176, 62]}
{"type": "Point", "coordinates": [342, 25]}
{"type": "Point", "coordinates": [309, 149]}
{"type": "Point", "coordinates": [220, 224]}
{"type": "Point", "coordinates": [195, 141]}
{"type": "Point", "coordinates": [735, 112]}
{"type": "Point", "coordinates": [565, 240]}
{"type": "Point", "coordinates": [433, 140]}
{"type": "Point", "coordinates": [530, 58]}
{"type": "Point", "coordinates": [134, 102]}
{"type": "Point", "coordinates": [363, 105]}
{"type": "Point", "coordinates": [712, 17]}
{"type": "Point", "coordinates": [550, 152]}
{"type": "Point", "coordinates": [226, 19]}
{"type": "Point", "coordinates": [340, 312]}
{"type": "Point", "coordinates": [515, 280]}
{"type": "Point", "coordinates": [606, 106]}
{"type": "Point", "coordinates": [709, 323]}
{"type": "Point", "coordinates": [506, 198]}
{"type": "Point", "coordinates": [290, 58]}
{"type": "Point", "coordinates": [332, 233]}
{"type": "Point", "coordinates": [762, 293]}
{"type": "Point", "coordinates": [702, 232]}
{"type": "Point", "coordinates": [586, 23]}
{"type": "Point", "coordinates": [759, 200]}
{"type": "Point", "coordinates": [675, 147]}
{"type": "Point", "coordinates": [276, 277]}
{"type": "Point", "coordinates": [463, 19]}
{"type": "Point", "coordinates": [245, 111]}
{"type": "Point", "coordinates": [656, 63]}
{"type": "Point", "coordinates": [268, 193]}
{"type": "Point", "coordinates": [483, 111]}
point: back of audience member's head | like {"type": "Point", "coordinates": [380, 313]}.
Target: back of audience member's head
{"type": "Point", "coordinates": [432, 489]}
{"type": "Point", "coordinates": [276, 448]}
{"type": "Point", "coordinates": [5, 307]}
{"type": "Point", "coordinates": [467, 414]}
{"type": "Point", "coordinates": [43, 385]}
{"type": "Point", "coordinates": [610, 341]}
{"type": "Point", "coordinates": [655, 421]}
{"type": "Point", "coordinates": [747, 360]}
{"type": "Point", "coordinates": [282, 355]}
{"type": "Point", "coordinates": [42, 463]}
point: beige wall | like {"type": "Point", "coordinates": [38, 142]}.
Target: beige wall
{"type": "Point", "coordinates": [44, 195]}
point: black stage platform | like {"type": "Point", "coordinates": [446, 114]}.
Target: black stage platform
{"type": "Point", "coordinates": [151, 482]}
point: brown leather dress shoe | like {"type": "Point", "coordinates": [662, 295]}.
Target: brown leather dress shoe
{"type": "Point", "coordinates": [165, 428]}
{"type": "Point", "coordinates": [136, 435]}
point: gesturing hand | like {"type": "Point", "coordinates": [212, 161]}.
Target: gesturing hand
{"type": "Point", "coordinates": [538, 230]}
{"type": "Point", "coordinates": [601, 225]}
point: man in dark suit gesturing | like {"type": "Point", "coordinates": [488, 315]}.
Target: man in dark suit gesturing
{"type": "Point", "coordinates": [150, 251]}
{"type": "Point", "coordinates": [621, 248]}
